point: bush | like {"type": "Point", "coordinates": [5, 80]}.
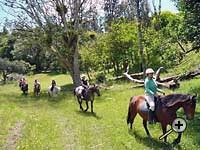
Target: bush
{"type": "Point", "coordinates": [101, 77]}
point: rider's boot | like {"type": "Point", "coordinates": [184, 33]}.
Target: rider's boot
{"type": "Point", "coordinates": [151, 117]}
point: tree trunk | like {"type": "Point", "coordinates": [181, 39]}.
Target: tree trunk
{"type": "Point", "coordinates": [140, 35]}
{"type": "Point", "coordinates": [75, 64]}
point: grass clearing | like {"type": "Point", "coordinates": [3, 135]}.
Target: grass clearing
{"type": "Point", "coordinates": [57, 123]}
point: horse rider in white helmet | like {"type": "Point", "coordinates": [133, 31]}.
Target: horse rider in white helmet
{"type": "Point", "coordinates": [85, 85]}
{"type": "Point", "coordinates": [151, 90]}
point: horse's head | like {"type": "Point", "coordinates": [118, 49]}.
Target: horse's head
{"type": "Point", "coordinates": [95, 88]}
{"type": "Point", "coordinates": [189, 107]}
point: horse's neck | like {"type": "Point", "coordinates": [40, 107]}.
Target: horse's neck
{"type": "Point", "coordinates": [174, 108]}
{"type": "Point", "coordinates": [90, 91]}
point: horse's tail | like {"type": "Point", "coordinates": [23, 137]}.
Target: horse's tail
{"type": "Point", "coordinates": [129, 115]}
{"type": "Point", "coordinates": [74, 91]}
{"type": "Point", "coordinates": [131, 111]}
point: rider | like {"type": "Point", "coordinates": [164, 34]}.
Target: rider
{"type": "Point", "coordinates": [36, 83]}
{"type": "Point", "coordinates": [84, 84]}
{"type": "Point", "coordinates": [23, 82]}
{"type": "Point", "coordinates": [151, 90]}
{"type": "Point", "coordinates": [53, 84]}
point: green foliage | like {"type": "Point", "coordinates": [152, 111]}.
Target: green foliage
{"type": "Point", "coordinates": [191, 14]}
{"type": "Point", "coordinates": [31, 47]}
{"type": "Point", "coordinates": [110, 50]}
{"type": "Point", "coordinates": [189, 63]}
{"type": "Point", "coordinates": [160, 41]}
{"type": "Point", "coordinates": [7, 67]}
{"type": "Point", "coordinates": [100, 77]}
{"type": "Point", "coordinates": [6, 45]}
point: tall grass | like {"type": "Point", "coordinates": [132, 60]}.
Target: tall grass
{"type": "Point", "coordinates": [57, 123]}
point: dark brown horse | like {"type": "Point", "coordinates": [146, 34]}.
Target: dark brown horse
{"type": "Point", "coordinates": [166, 108]}
{"type": "Point", "coordinates": [89, 96]}
{"type": "Point", "coordinates": [24, 88]}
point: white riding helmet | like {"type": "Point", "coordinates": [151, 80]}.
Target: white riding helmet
{"type": "Point", "coordinates": [83, 76]}
{"type": "Point", "coordinates": [149, 70]}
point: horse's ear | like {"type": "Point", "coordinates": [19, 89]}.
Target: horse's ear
{"type": "Point", "coordinates": [193, 96]}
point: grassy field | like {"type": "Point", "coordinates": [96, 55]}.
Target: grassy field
{"type": "Point", "coordinates": [58, 124]}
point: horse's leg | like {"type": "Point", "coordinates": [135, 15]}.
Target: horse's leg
{"type": "Point", "coordinates": [146, 129]}
{"type": "Point", "coordinates": [164, 129]}
{"type": "Point", "coordinates": [49, 94]}
{"type": "Point", "coordinates": [80, 103]}
{"type": "Point", "coordinates": [92, 106]}
{"type": "Point", "coordinates": [177, 140]}
{"type": "Point", "coordinates": [86, 105]}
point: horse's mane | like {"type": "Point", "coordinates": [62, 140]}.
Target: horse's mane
{"type": "Point", "coordinates": [173, 99]}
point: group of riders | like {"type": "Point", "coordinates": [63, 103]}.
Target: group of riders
{"type": "Point", "coordinates": [23, 84]}
{"type": "Point", "coordinates": [84, 83]}
{"type": "Point", "coordinates": [151, 90]}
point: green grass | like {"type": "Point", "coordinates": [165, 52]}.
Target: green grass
{"type": "Point", "coordinates": [58, 124]}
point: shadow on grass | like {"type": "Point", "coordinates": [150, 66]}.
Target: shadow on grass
{"type": "Point", "coordinates": [89, 114]}
{"type": "Point", "coordinates": [67, 87]}
{"type": "Point", "coordinates": [52, 73]}
{"type": "Point", "coordinates": [152, 143]}
{"type": "Point", "coordinates": [193, 127]}
{"type": "Point", "coordinates": [43, 96]}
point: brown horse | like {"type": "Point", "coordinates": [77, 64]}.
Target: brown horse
{"type": "Point", "coordinates": [89, 96]}
{"type": "Point", "coordinates": [166, 108]}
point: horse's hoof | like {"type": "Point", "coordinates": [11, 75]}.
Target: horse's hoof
{"type": "Point", "coordinates": [149, 136]}
{"type": "Point", "coordinates": [175, 142]}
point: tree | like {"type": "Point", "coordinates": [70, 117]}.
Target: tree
{"type": "Point", "coordinates": [110, 9]}
{"type": "Point", "coordinates": [29, 47]}
{"type": "Point", "coordinates": [59, 22]}
{"type": "Point", "coordinates": [190, 9]}
{"type": "Point", "coordinates": [7, 67]}
{"type": "Point", "coordinates": [140, 34]}
{"type": "Point", "coordinates": [6, 44]}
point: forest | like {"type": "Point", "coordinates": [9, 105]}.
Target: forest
{"type": "Point", "coordinates": [97, 38]}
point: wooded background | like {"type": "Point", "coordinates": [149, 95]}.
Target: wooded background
{"type": "Point", "coordinates": [96, 38]}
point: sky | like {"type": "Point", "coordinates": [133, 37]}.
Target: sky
{"type": "Point", "coordinates": [165, 5]}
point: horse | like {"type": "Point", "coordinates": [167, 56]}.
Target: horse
{"type": "Point", "coordinates": [166, 108]}
{"type": "Point", "coordinates": [53, 90]}
{"type": "Point", "coordinates": [36, 89]}
{"type": "Point", "coordinates": [89, 95]}
{"type": "Point", "coordinates": [24, 88]}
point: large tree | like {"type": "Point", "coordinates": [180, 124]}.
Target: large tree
{"type": "Point", "coordinates": [190, 9]}
{"type": "Point", "coordinates": [59, 23]}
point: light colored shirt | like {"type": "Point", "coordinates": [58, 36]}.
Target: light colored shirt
{"type": "Point", "coordinates": [151, 86]}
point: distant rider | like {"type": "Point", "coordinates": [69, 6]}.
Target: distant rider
{"type": "Point", "coordinates": [85, 85]}
{"type": "Point", "coordinates": [53, 84]}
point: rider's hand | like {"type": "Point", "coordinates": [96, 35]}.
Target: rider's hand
{"type": "Point", "coordinates": [156, 95]}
